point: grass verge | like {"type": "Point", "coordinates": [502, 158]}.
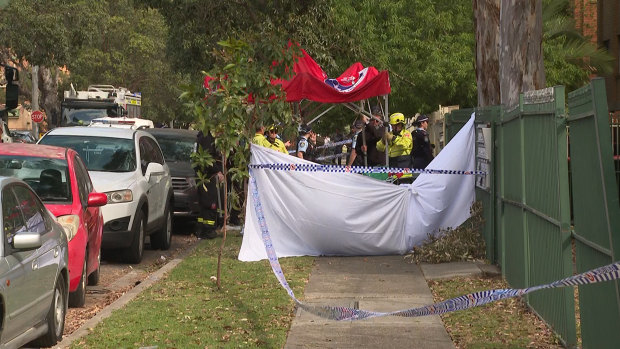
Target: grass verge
{"type": "Point", "coordinates": [506, 323]}
{"type": "Point", "coordinates": [186, 310]}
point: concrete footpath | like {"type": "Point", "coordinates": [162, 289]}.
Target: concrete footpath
{"type": "Point", "coordinates": [378, 283]}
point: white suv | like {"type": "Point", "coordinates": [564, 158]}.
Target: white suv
{"type": "Point", "coordinates": [129, 167]}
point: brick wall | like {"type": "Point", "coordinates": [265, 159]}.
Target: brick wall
{"type": "Point", "coordinates": [586, 19]}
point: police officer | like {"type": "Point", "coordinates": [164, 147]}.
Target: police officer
{"type": "Point", "coordinates": [306, 143]}
{"type": "Point", "coordinates": [399, 141]}
{"type": "Point", "coordinates": [259, 137]}
{"type": "Point", "coordinates": [208, 191]}
{"type": "Point", "coordinates": [422, 151]}
{"type": "Point", "coordinates": [275, 142]}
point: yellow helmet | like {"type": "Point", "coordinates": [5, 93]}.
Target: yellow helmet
{"type": "Point", "coordinates": [397, 118]}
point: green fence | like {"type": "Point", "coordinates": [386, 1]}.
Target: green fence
{"type": "Point", "coordinates": [485, 185]}
{"type": "Point", "coordinates": [525, 198]}
{"type": "Point", "coordinates": [527, 208]}
{"type": "Point", "coordinates": [596, 212]}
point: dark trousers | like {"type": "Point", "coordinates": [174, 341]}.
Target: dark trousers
{"type": "Point", "coordinates": [208, 200]}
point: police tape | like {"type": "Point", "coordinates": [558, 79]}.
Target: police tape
{"type": "Point", "coordinates": [328, 145]}
{"type": "Point", "coordinates": [329, 157]}
{"type": "Point", "coordinates": [334, 144]}
{"type": "Point", "coordinates": [606, 273]}
{"type": "Point", "coordinates": [358, 169]}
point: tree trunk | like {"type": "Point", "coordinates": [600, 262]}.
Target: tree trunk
{"type": "Point", "coordinates": [486, 23]}
{"type": "Point", "coordinates": [521, 60]}
{"type": "Point", "coordinates": [48, 85]}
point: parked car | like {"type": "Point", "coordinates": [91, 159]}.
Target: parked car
{"type": "Point", "coordinates": [22, 136]}
{"type": "Point", "coordinates": [128, 166]}
{"type": "Point", "coordinates": [34, 275]}
{"type": "Point", "coordinates": [59, 178]}
{"type": "Point", "coordinates": [177, 146]}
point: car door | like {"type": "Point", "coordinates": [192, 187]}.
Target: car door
{"type": "Point", "coordinates": [20, 295]}
{"type": "Point", "coordinates": [44, 266]}
{"type": "Point", "coordinates": [154, 192]}
{"type": "Point", "coordinates": [90, 214]}
{"type": "Point", "coordinates": [161, 179]}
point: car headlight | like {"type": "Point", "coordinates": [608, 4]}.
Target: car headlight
{"type": "Point", "coordinates": [70, 223]}
{"type": "Point", "coordinates": [115, 197]}
{"type": "Point", "coordinates": [192, 181]}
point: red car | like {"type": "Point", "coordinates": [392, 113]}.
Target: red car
{"type": "Point", "coordinates": [61, 180]}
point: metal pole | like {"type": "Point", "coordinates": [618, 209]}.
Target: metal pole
{"type": "Point", "coordinates": [323, 113]}
{"type": "Point", "coordinates": [386, 118]}
{"type": "Point", "coordinates": [364, 137]}
{"type": "Point", "coordinates": [35, 98]}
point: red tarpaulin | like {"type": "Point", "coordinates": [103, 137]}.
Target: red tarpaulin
{"type": "Point", "coordinates": [355, 84]}
{"type": "Point", "coordinates": [310, 82]}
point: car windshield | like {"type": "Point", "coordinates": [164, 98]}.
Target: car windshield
{"type": "Point", "coordinates": [176, 148]}
{"type": "Point", "coordinates": [81, 117]}
{"type": "Point", "coordinates": [49, 178]}
{"type": "Point", "coordinates": [105, 154]}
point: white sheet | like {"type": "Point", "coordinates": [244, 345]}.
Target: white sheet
{"type": "Point", "coordinates": [316, 213]}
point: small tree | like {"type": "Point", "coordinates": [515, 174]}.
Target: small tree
{"type": "Point", "coordinates": [236, 96]}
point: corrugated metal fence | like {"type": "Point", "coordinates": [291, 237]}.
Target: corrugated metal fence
{"type": "Point", "coordinates": [527, 207]}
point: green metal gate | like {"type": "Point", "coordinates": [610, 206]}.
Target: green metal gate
{"type": "Point", "coordinates": [533, 207]}
{"type": "Point", "coordinates": [596, 212]}
{"type": "Point", "coordinates": [485, 186]}
{"type": "Point", "coordinates": [455, 121]}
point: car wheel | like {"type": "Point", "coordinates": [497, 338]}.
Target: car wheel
{"type": "Point", "coordinates": [133, 254]}
{"type": "Point", "coordinates": [163, 238]}
{"type": "Point", "coordinates": [77, 298]}
{"type": "Point", "coordinates": [55, 316]}
{"type": "Point", "coordinates": [93, 278]}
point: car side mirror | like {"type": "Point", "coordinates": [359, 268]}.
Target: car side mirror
{"type": "Point", "coordinates": [27, 241]}
{"type": "Point", "coordinates": [153, 168]}
{"type": "Point", "coordinates": [97, 199]}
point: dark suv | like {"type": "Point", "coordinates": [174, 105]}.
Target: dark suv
{"type": "Point", "coordinates": [177, 146]}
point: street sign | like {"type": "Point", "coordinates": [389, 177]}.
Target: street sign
{"type": "Point", "coordinates": [37, 116]}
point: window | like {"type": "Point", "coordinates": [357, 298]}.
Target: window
{"type": "Point", "coordinates": [84, 184]}
{"type": "Point", "coordinates": [156, 155]}
{"type": "Point", "coordinates": [33, 210]}
{"type": "Point", "coordinates": [49, 178]}
{"type": "Point", "coordinates": [12, 217]}
{"type": "Point", "coordinates": [99, 153]}
{"type": "Point", "coordinates": [146, 152]}
{"type": "Point", "coordinates": [176, 149]}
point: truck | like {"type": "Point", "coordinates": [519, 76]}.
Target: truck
{"type": "Point", "coordinates": [79, 108]}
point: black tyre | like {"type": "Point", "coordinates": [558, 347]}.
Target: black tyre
{"type": "Point", "coordinates": [55, 316]}
{"type": "Point", "coordinates": [77, 298]}
{"type": "Point", "coordinates": [133, 254]}
{"type": "Point", "coordinates": [163, 238]}
{"type": "Point", "coordinates": [93, 278]}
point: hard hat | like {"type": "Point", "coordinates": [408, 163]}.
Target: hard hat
{"type": "Point", "coordinates": [397, 118]}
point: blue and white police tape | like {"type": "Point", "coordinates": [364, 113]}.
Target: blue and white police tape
{"type": "Point", "coordinates": [358, 169]}
{"type": "Point", "coordinates": [605, 273]}
{"type": "Point", "coordinates": [334, 144]}
{"type": "Point", "coordinates": [328, 145]}
{"type": "Point", "coordinates": [329, 157]}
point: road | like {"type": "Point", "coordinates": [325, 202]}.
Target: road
{"type": "Point", "coordinates": [118, 277]}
